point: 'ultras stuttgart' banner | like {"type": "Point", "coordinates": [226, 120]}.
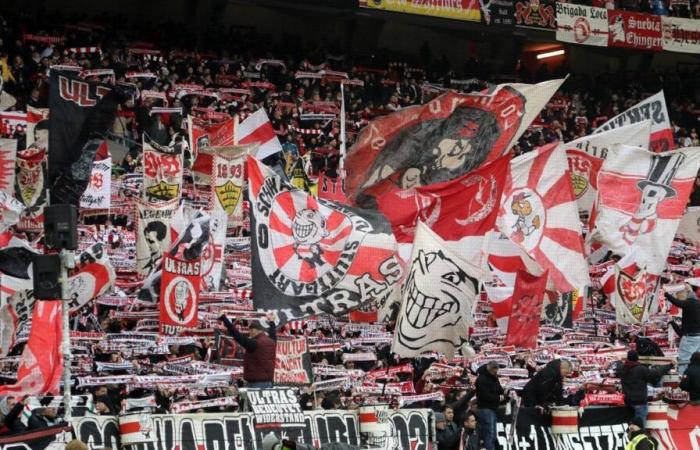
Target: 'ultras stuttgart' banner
{"type": "Point", "coordinates": [312, 256]}
{"type": "Point", "coordinates": [580, 24]}
{"type": "Point", "coordinates": [454, 9]}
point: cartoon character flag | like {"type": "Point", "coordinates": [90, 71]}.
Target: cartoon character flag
{"type": "Point", "coordinates": [642, 197]}
{"type": "Point", "coordinates": [439, 297]}
{"type": "Point", "coordinates": [162, 171]}
{"type": "Point", "coordinates": [312, 256]}
{"type": "Point", "coordinates": [539, 213]}
{"type": "Point", "coordinates": [524, 322]}
{"type": "Point", "coordinates": [446, 138]}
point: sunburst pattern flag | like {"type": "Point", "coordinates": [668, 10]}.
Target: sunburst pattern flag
{"type": "Point", "coordinates": [539, 213]}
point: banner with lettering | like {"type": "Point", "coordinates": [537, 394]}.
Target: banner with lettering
{"type": "Point", "coordinates": [276, 409]}
{"type": "Point", "coordinates": [454, 9]}
{"type": "Point", "coordinates": [634, 30]}
{"type": "Point", "coordinates": [227, 179]}
{"type": "Point", "coordinates": [681, 35]}
{"type": "Point", "coordinates": [179, 292]}
{"type": "Point", "coordinates": [536, 14]}
{"type": "Point", "coordinates": [162, 171]}
{"type": "Point", "coordinates": [331, 188]}
{"type": "Point", "coordinates": [580, 24]}
{"type": "Point", "coordinates": [30, 187]}
{"type": "Point", "coordinates": [153, 236]}
{"type": "Point", "coordinates": [97, 196]}
{"type": "Point", "coordinates": [293, 363]}
{"type": "Point", "coordinates": [497, 12]}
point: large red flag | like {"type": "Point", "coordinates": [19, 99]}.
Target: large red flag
{"type": "Point", "coordinates": [524, 322]}
{"type": "Point", "coordinates": [41, 364]}
{"type": "Point", "coordinates": [465, 206]}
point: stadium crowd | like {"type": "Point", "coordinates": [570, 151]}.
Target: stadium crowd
{"type": "Point", "coordinates": [468, 394]}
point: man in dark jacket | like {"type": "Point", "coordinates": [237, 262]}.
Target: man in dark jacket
{"type": "Point", "coordinates": [447, 438]}
{"type": "Point", "coordinates": [260, 352]}
{"type": "Point", "coordinates": [471, 434]}
{"type": "Point", "coordinates": [489, 394]}
{"type": "Point", "coordinates": [690, 325]}
{"type": "Point", "coordinates": [635, 377]}
{"type": "Point", "coordinates": [691, 379]}
{"type": "Point", "coordinates": [42, 418]}
{"type": "Point", "coordinates": [546, 387]}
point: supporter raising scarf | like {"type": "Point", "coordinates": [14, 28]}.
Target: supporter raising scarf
{"type": "Point", "coordinates": [642, 197]}
{"type": "Point", "coordinates": [441, 140]}
{"type": "Point", "coordinates": [539, 214]}
{"type": "Point", "coordinates": [439, 297]}
{"type": "Point", "coordinates": [311, 256]}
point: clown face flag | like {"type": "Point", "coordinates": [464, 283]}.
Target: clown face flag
{"type": "Point", "coordinates": [465, 206]}
{"type": "Point", "coordinates": [227, 179]}
{"type": "Point", "coordinates": [524, 322]}
{"type": "Point", "coordinates": [204, 134]}
{"type": "Point", "coordinates": [441, 140]}
{"type": "Point", "coordinates": [162, 172]}
{"type": "Point", "coordinates": [41, 363]}
{"type": "Point", "coordinates": [641, 199]}
{"type": "Point", "coordinates": [153, 236]}
{"type": "Point", "coordinates": [539, 214]}
{"type": "Point", "coordinates": [311, 256]}
{"type": "Point", "coordinates": [586, 157]}
{"type": "Point", "coordinates": [81, 114]}
{"type": "Point", "coordinates": [654, 109]}
{"type": "Point", "coordinates": [439, 296]}
{"type": "Point", "coordinates": [8, 154]}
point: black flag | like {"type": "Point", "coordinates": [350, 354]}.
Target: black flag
{"type": "Point", "coordinates": [81, 114]}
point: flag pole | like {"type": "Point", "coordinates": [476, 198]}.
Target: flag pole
{"type": "Point", "coordinates": [67, 262]}
{"type": "Point", "coordinates": [343, 146]}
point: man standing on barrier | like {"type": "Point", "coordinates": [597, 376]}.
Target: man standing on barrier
{"type": "Point", "coordinates": [690, 325]}
{"type": "Point", "coordinates": [489, 395]}
{"type": "Point", "coordinates": [260, 351]}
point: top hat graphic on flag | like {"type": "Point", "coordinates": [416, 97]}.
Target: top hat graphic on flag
{"type": "Point", "coordinates": [662, 171]}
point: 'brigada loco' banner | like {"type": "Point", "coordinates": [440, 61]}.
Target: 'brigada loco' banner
{"type": "Point", "coordinates": [30, 187]}
{"type": "Point", "coordinates": [654, 109]}
{"type": "Point", "coordinates": [82, 112]}
{"type": "Point", "coordinates": [228, 175]}
{"type": "Point", "coordinates": [535, 14]}
{"type": "Point", "coordinates": [293, 362]}
{"type": "Point", "coordinates": [153, 237]}
{"type": "Point", "coordinates": [204, 134]}
{"type": "Point", "coordinates": [455, 9]}
{"type": "Point", "coordinates": [311, 256]}
{"type": "Point", "coordinates": [524, 321]}
{"type": "Point", "coordinates": [446, 138]}
{"type": "Point", "coordinates": [580, 24]}
{"type": "Point", "coordinates": [539, 214]}
{"type": "Point", "coordinates": [439, 296]}
{"type": "Point", "coordinates": [681, 35]}
{"type": "Point", "coordinates": [465, 206]}
{"type": "Point", "coordinates": [497, 12]}
{"type": "Point", "coordinates": [634, 30]}
{"type": "Point", "coordinates": [162, 172]}
{"type": "Point", "coordinates": [642, 197]}
{"type": "Point", "coordinates": [98, 196]}
{"type": "Point", "coordinates": [586, 155]}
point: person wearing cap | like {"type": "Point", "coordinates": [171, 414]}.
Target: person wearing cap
{"type": "Point", "coordinates": [690, 382]}
{"type": "Point", "coordinates": [447, 439]}
{"type": "Point", "coordinates": [489, 395]}
{"type": "Point", "coordinates": [260, 351]}
{"type": "Point", "coordinates": [690, 324]}
{"type": "Point", "coordinates": [635, 377]}
{"type": "Point", "coordinates": [637, 438]}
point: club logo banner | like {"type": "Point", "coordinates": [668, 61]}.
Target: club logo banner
{"type": "Point", "coordinates": [30, 187]}
{"type": "Point", "coordinates": [97, 196]}
{"type": "Point", "coordinates": [162, 172]}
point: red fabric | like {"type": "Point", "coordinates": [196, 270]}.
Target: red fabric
{"type": "Point", "coordinates": [465, 206]}
{"type": "Point", "coordinates": [363, 317]}
{"type": "Point", "coordinates": [524, 322]}
{"type": "Point", "coordinates": [259, 365]}
{"type": "Point", "coordinates": [41, 363]}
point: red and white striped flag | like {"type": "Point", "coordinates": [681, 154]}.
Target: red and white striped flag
{"type": "Point", "coordinates": [257, 128]}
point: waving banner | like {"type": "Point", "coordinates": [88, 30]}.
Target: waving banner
{"type": "Point", "coordinates": [642, 199]}
{"type": "Point", "coordinates": [654, 109]}
{"type": "Point", "coordinates": [446, 138]}
{"type": "Point", "coordinates": [681, 35]}
{"type": "Point", "coordinates": [205, 134]}
{"type": "Point", "coordinates": [92, 279]}
{"type": "Point", "coordinates": [524, 322]}
{"type": "Point", "coordinates": [580, 24]}
{"type": "Point", "coordinates": [30, 187]}
{"type": "Point", "coordinates": [293, 362]}
{"type": "Point", "coordinates": [689, 227]}
{"type": "Point", "coordinates": [331, 188]}
{"type": "Point", "coordinates": [153, 237]}
{"type": "Point", "coordinates": [15, 311]}
{"type": "Point", "coordinates": [439, 296]}
{"type": "Point", "coordinates": [630, 297]}
{"type": "Point", "coordinates": [539, 214]}
{"type": "Point", "coordinates": [460, 9]}
{"type": "Point", "coordinates": [228, 176]}
{"type": "Point", "coordinates": [162, 172]}
{"type": "Point", "coordinates": [98, 196]}
{"type": "Point", "coordinates": [8, 155]}
{"type": "Point", "coordinates": [311, 256]}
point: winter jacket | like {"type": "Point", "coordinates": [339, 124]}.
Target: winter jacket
{"type": "Point", "coordinates": [635, 377]}
{"type": "Point", "coordinates": [488, 389]}
{"type": "Point", "coordinates": [690, 322]}
{"type": "Point", "coordinates": [448, 439]}
{"type": "Point", "coordinates": [691, 381]}
{"type": "Point", "coordinates": [545, 387]}
{"type": "Point", "coordinates": [260, 354]}
{"type": "Point", "coordinates": [471, 440]}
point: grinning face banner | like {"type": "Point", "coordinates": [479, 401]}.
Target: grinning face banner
{"type": "Point", "coordinates": [438, 298]}
{"type": "Point", "coordinates": [311, 256]}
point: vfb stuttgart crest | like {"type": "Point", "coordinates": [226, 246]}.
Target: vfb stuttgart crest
{"type": "Point", "coordinates": [307, 247]}
{"type": "Point", "coordinates": [633, 292]}
{"type": "Point", "coordinates": [228, 194]}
